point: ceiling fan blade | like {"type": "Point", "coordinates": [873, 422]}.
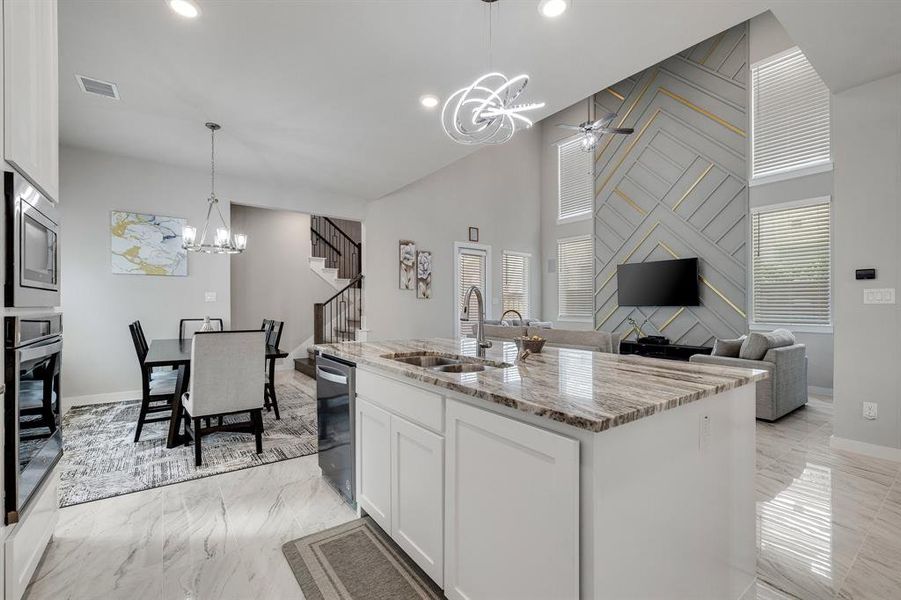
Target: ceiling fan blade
{"type": "Point", "coordinates": [565, 126]}
{"type": "Point", "coordinates": [620, 130]}
{"type": "Point", "coordinates": [603, 121]}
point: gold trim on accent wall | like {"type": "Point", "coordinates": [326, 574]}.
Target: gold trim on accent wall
{"type": "Point", "coordinates": [671, 319]}
{"type": "Point", "coordinates": [609, 139]}
{"type": "Point", "coordinates": [607, 318]}
{"type": "Point", "coordinates": [615, 94]}
{"type": "Point", "coordinates": [704, 112]}
{"type": "Point", "coordinates": [629, 201]}
{"type": "Point", "coordinates": [692, 187]}
{"type": "Point", "coordinates": [625, 155]}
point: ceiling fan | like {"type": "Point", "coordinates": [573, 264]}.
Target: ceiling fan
{"type": "Point", "coordinates": [592, 132]}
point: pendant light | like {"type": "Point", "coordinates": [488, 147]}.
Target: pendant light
{"type": "Point", "coordinates": [223, 242]}
{"type": "Point", "coordinates": [484, 111]}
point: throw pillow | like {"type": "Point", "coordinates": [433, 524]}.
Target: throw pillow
{"type": "Point", "coordinates": [754, 346]}
{"type": "Point", "coordinates": [729, 348]}
{"type": "Point", "coordinates": [780, 338]}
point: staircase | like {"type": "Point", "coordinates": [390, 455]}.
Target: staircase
{"type": "Point", "coordinates": [337, 259]}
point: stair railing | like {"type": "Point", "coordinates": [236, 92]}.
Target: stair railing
{"type": "Point", "coordinates": [338, 318]}
{"type": "Point", "coordinates": [339, 250]}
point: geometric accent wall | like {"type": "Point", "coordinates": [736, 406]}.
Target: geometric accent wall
{"type": "Point", "coordinates": [677, 187]}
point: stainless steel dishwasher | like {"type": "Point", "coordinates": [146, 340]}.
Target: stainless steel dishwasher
{"type": "Point", "coordinates": [335, 407]}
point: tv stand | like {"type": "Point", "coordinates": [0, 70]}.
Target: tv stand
{"type": "Point", "coordinates": [666, 351]}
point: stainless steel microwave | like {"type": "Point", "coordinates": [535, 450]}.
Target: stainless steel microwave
{"type": "Point", "coordinates": [31, 234]}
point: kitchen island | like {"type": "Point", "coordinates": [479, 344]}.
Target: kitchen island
{"type": "Point", "coordinates": [570, 474]}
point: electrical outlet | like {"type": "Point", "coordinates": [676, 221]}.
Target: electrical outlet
{"type": "Point", "coordinates": [869, 410]}
{"type": "Point", "coordinates": [704, 432]}
{"type": "Point", "coordinates": [209, 296]}
{"type": "Point", "coordinates": [879, 296]}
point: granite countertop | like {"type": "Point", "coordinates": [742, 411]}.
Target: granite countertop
{"type": "Point", "coordinates": [589, 390]}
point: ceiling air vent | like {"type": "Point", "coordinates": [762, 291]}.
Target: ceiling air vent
{"type": "Point", "coordinates": [98, 87]}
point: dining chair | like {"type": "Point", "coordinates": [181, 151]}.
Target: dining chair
{"type": "Point", "coordinates": [273, 337]}
{"type": "Point", "coordinates": [157, 387]}
{"type": "Point", "coordinates": [191, 326]}
{"type": "Point", "coordinates": [225, 380]}
{"type": "Point", "coordinates": [36, 397]}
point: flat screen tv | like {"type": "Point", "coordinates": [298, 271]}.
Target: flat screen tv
{"type": "Point", "coordinates": [659, 283]}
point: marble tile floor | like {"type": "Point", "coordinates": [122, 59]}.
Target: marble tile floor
{"type": "Point", "coordinates": [828, 523]}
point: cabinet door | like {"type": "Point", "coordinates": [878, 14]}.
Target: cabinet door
{"type": "Point", "coordinates": [512, 509]}
{"type": "Point", "coordinates": [374, 462]}
{"type": "Point", "coordinates": [31, 91]}
{"type": "Point", "coordinates": [417, 486]}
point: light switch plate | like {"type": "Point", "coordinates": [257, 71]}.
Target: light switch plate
{"type": "Point", "coordinates": [879, 296]}
{"type": "Point", "coordinates": [209, 296]}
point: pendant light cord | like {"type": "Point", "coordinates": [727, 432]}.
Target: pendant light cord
{"type": "Point", "coordinates": [212, 163]}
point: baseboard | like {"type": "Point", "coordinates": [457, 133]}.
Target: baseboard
{"type": "Point", "coordinates": [69, 402]}
{"type": "Point", "coordinates": [865, 448]}
{"type": "Point", "coordinates": [819, 391]}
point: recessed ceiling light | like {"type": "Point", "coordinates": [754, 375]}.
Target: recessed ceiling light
{"type": "Point", "coordinates": [185, 8]}
{"type": "Point", "coordinates": [429, 101]}
{"type": "Point", "coordinates": [552, 8]}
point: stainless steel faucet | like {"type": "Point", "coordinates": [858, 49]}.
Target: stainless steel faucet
{"type": "Point", "coordinates": [480, 335]}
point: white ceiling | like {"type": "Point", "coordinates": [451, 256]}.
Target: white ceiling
{"type": "Point", "coordinates": [324, 94]}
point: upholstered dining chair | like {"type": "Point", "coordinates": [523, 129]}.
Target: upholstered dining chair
{"type": "Point", "coordinates": [227, 378]}
{"type": "Point", "coordinates": [188, 327]}
{"type": "Point", "coordinates": [157, 387]}
{"type": "Point", "coordinates": [273, 330]}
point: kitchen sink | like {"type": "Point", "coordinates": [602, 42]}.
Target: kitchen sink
{"type": "Point", "coordinates": [446, 363]}
{"type": "Point", "coordinates": [461, 368]}
{"type": "Point", "coordinates": [428, 362]}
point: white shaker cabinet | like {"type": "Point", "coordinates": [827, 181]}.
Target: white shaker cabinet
{"type": "Point", "coordinates": [374, 462]}
{"type": "Point", "coordinates": [31, 91]}
{"type": "Point", "coordinates": [511, 508]}
{"type": "Point", "coordinates": [417, 500]}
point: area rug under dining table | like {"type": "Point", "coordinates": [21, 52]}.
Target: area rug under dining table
{"type": "Point", "coordinates": [101, 459]}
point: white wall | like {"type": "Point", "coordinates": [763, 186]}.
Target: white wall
{"type": "Point", "coordinates": [99, 361]}
{"type": "Point", "coordinates": [767, 38]}
{"type": "Point", "coordinates": [496, 189]}
{"type": "Point", "coordinates": [272, 279]}
{"type": "Point", "coordinates": [867, 149]}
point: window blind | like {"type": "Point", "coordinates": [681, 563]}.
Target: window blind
{"type": "Point", "coordinates": [516, 283]}
{"type": "Point", "coordinates": [790, 128]}
{"type": "Point", "coordinates": [471, 264]}
{"type": "Point", "coordinates": [576, 177]}
{"type": "Point", "coordinates": [575, 277]}
{"type": "Point", "coordinates": [792, 265]}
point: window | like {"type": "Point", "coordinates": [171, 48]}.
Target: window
{"type": "Point", "coordinates": [791, 264]}
{"type": "Point", "coordinates": [789, 117]}
{"type": "Point", "coordinates": [515, 269]}
{"type": "Point", "coordinates": [575, 278]}
{"type": "Point", "coordinates": [471, 269]}
{"type": "Point", "coordinates": [576, 175]}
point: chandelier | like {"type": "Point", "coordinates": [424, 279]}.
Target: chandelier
{"type": "Point", "coordinates": [223, 242]}
{"type": "Point", "coordinates": [484, 111]}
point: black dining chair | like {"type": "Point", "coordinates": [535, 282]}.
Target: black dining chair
{"type": "Point", "coordinates": [192, 326]}
{"type": "Point", "coordinates": [36, 398]}
{"type": "Point", "coordinates": [273, 331]}
{"type": "Point", "coordinates": [157, 388]}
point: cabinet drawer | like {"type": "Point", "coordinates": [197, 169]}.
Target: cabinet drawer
{"type": "Point", "coordinates": [405, 400]}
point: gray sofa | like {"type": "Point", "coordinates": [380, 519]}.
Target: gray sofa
{"type": "Point", "coordinates": [786, 387]}
{"type": "Point", "coordinates": [596, 341]}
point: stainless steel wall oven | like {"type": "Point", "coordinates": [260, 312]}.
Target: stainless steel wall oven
{"type": "Point", "coordinates": [33, 442]}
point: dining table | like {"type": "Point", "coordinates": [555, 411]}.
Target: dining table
{"type": "Point", "coordinates": [177, 354]}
